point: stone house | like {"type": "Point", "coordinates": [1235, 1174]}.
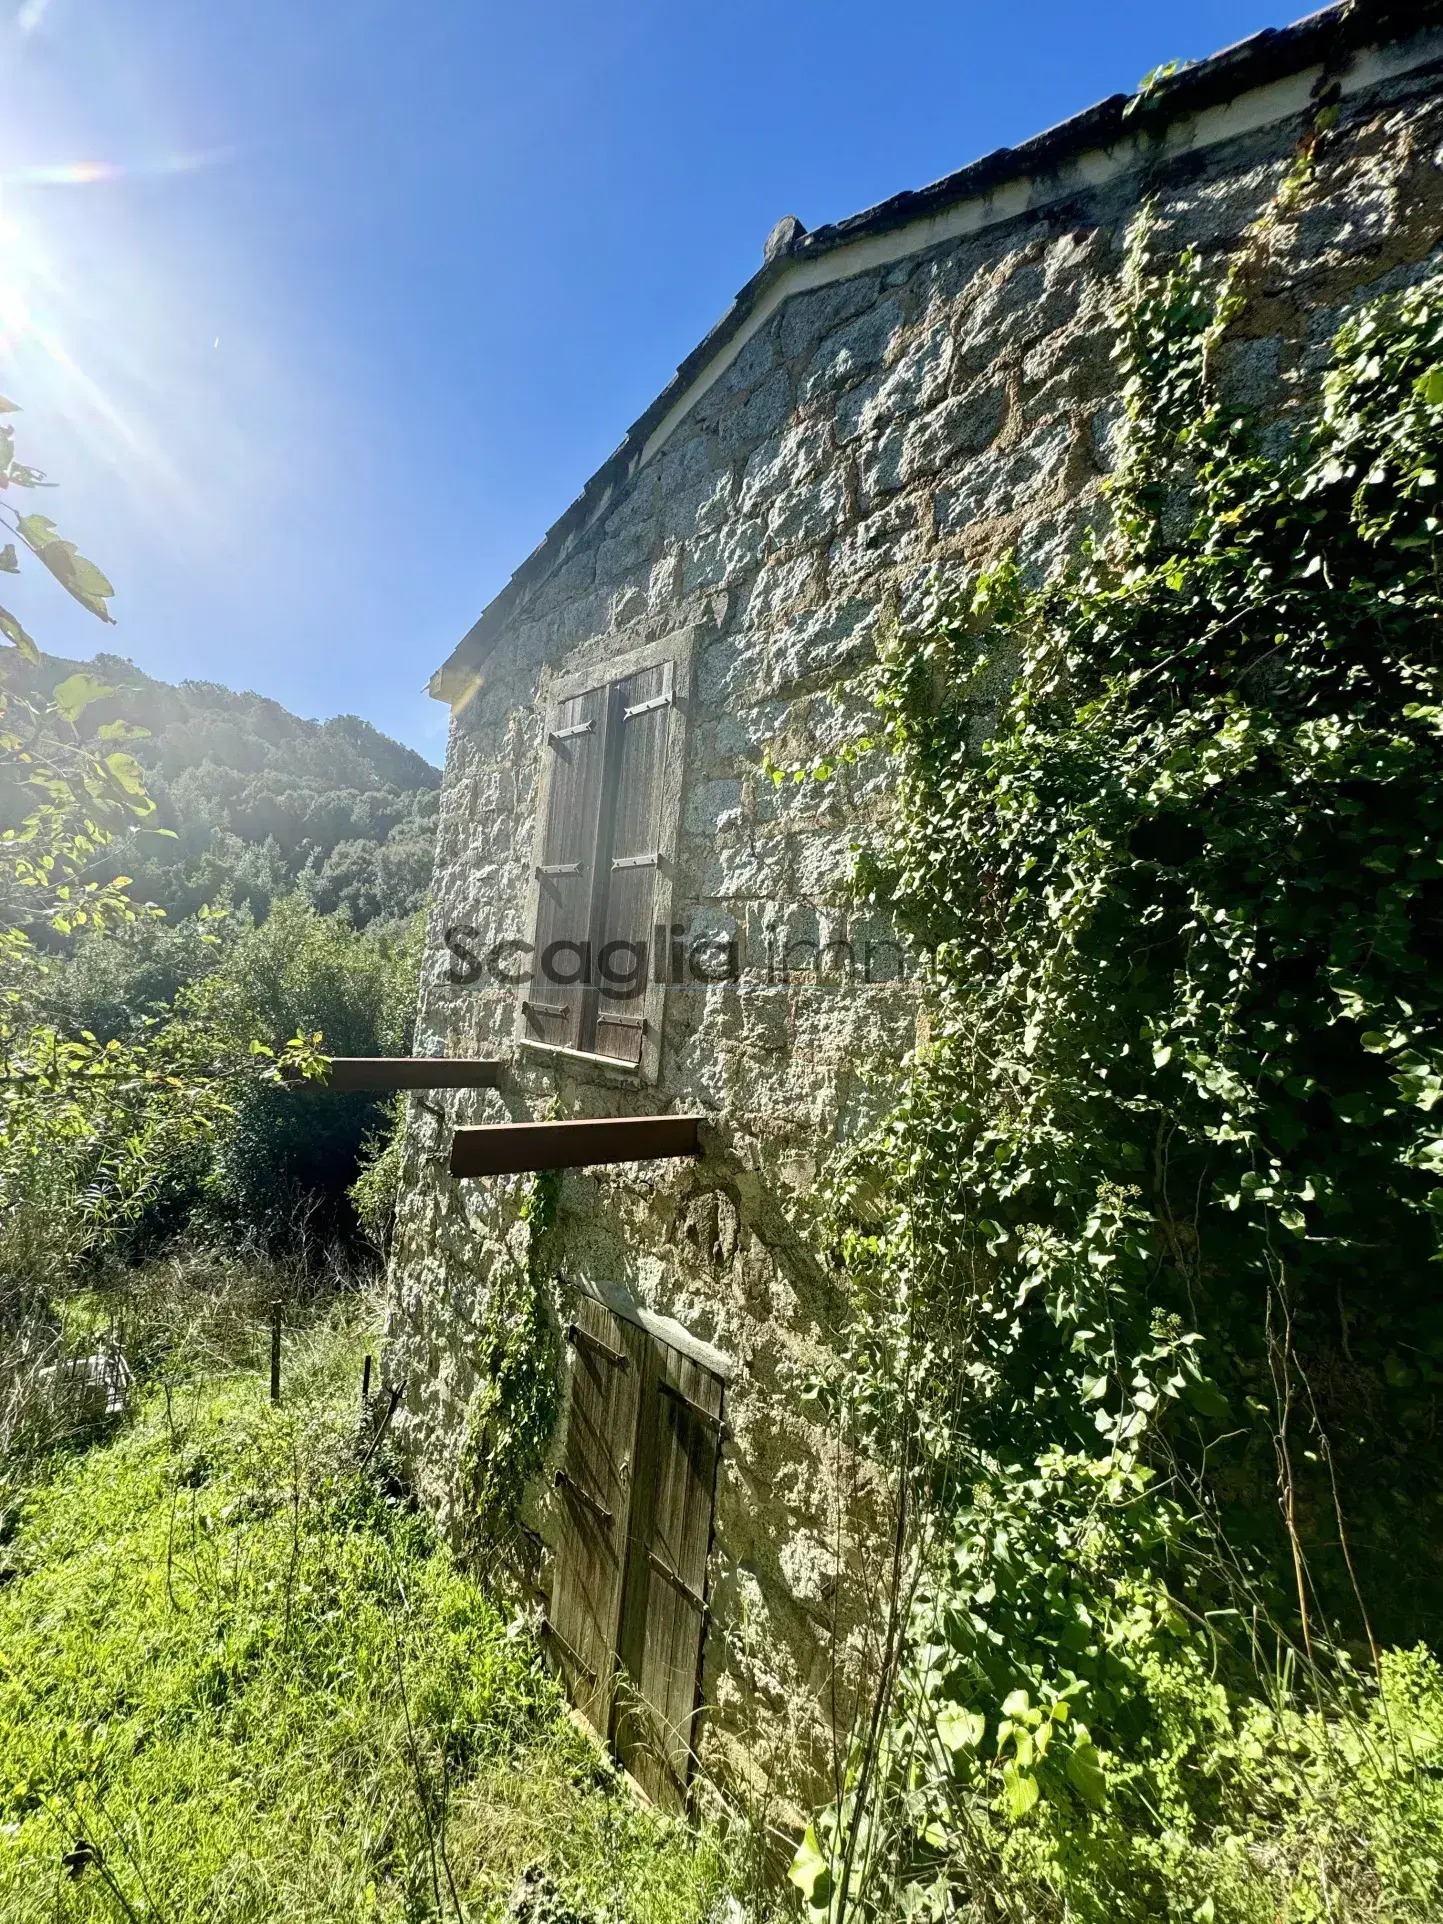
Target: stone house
{"type": "Point", "coordinates": [634, 918]}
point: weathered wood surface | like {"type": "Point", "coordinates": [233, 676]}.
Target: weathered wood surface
{"type": "Point", "coordinates": [631, 838]}
{"type": "Point", "coordinates": [607, 1367]}
{"type": "Point", "coordinates": [349, 1074]}
{"type": "Point", "coordinates": [664, 1615]}
{"type": "Point", "coordinates": [557, 1002]}
{"type": "Point", "coordinates": [510, 1148]}
{"type": "Point", "coordinates": [637, 1487]}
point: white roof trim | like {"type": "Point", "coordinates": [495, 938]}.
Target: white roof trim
{"type": "Point", "coordinates": [1263, 107]}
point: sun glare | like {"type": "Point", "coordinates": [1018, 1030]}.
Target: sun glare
{"type": "Point", "coordinates": [42, 313]}
{"type": "Point", "coordinates": [14, 306]}
{"type": "Point", "coordinates": [25, 277]}
{"type": "Point", "coordinates": [85, 329]}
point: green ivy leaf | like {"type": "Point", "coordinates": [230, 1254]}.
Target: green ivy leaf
{"type": "Point", "coordinates": [78, 577]}
{"type": "Point", "coordinates": [1085, 1774]}
{"type": "Point", "coordinates": [1207, 1399]}
{"type": "Point", "coordinates": [1019, 1790]}
{"type": "Point", "coordinates": [960, 1729]}
{"type": "Point", "coordinates": [811, 1873]}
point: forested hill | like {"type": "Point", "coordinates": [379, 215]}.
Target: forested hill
{"type": "Point", "coordinates": [262, 801]}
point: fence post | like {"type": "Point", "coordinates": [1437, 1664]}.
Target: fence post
{"type": "Point", "coordinates": [275, 1352]}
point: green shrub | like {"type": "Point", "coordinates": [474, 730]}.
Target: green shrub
{"type": "Point", "coordinates": [274, 1165]}
{"type": "Point", "coordinates": [377, 1190]}
{"type": "Point", "coordinates": [284, 1166]}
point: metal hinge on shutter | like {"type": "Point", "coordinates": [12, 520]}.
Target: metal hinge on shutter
{"type": "Point", "coordinates": [579, 1337]}
{"type": "Point", "coordinates": [678, 1583]}
{"type": "Point", "coordinates": [692, 1409]}
{"type": "Point", "coordinates": [573, 1657]}
{"type": "Point", "coordinates": [558, 868]}
{"type": "Point", "coordinates": [575, 728]}
{"type": "Point", "coordinates": [636, 861]}
{"type": "Point", "coordinates": [646, 707]}
{"type": "Point", "coordinates": [565, 1481]}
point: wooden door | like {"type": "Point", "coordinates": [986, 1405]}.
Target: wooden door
{"type": "Point", "coordinates": [664, 1607]}
{"type": "Point", "coordinates": [608, 1365]}
{"type": "Point", "coordinates": [629, 1595]}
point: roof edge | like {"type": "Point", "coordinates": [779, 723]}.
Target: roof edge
{"type": "Point", "coordinates": [1327, 38]}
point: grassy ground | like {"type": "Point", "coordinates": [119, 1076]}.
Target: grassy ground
{"type": "Point", "coordinates": [240, 1680]}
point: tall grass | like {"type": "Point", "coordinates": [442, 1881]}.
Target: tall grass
{"type": "Point", "coordinates": [241, 1679]}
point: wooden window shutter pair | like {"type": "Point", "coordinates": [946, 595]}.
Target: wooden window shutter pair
{"type": "Point", "coordinates": [596, 877]}
{"type": "Point", "coordinates": [637, 1489]}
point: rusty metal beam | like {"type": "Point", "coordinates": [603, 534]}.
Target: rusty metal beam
{"type": "Point", "coordinates": [349, 1074]}
{"type": "Point", "coordinates": [511, 1148]}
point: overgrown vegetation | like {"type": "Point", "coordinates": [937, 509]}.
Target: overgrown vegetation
{"type": "Point", "coordinates": [1142, 1270]}
{"type": "Point", "coordinates": [239, 1678]}
{"type": "Point", "coordinates": [1144, 1265]}
{"type": "Point", "coordinates": [144, 1053]}
{"type": "Point", "coordinates": [116, 1144]}
{"type": "Point", "coordinates": [239, 1675]}
{"type": "Point", "coordinates": [514, 1410]}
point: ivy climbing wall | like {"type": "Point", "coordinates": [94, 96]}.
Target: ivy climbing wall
{"type": "Point", "coordinates": [911, 403]}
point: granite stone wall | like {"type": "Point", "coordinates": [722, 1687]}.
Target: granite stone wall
{"type": "Point", "coordinates": [918, 416]}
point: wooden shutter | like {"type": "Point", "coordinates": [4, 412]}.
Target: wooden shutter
{"type": "Point", "coordinates": [664, 1613]}
{"type": "Point", "coordinates": [608, 1365]}
{"type": "Point", "coordinates": [630, 848]}
{"type": "Point", "coordinates": [567, 873]}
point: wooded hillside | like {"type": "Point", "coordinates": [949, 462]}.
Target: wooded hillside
{"type": "Point", "coordinates": [262, 801]}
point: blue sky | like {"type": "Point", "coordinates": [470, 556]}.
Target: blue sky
{"type": "Point", "coordinates": [321, 311]}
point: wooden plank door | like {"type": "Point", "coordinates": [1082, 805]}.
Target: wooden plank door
{"type": "Point", "coordinates": [558, 1011]}
{"type": "Point", "coordinates": [664, 1609]}
{"type": "Point", "coordinates": [630, 852]}
{"type": "Point", "coordinates": [609, 1362]}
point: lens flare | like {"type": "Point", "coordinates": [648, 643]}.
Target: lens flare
{"type": "Point", "coordinates": [71, 173]}
{"type": "Point", "coordinates": [91, 342]}
{"type": "Point", "coordinates": [87, 173]}
{"type": "Point", "coordinates": [31, 300]}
